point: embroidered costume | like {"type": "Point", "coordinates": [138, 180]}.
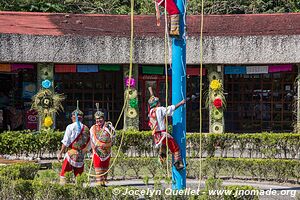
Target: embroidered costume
{"type": "Point", "coordinates": [101, 134]}
{"type": "Point", "coordinates": [76, 139]}
{"type": "Point", "coordinates": [157, 117]}
{"type": "Point", "coordinates": [174, 15]}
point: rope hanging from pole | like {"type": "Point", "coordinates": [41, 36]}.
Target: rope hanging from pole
{"type": "Point", "coordinates": [200, 86]}
{"type": "Point", "coordinates": [166, 42]}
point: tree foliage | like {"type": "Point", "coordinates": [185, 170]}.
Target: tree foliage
{"type": "Point", "coordinates": [147, 6]}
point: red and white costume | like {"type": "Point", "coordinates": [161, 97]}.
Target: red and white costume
{"type": "Point", "coordinates": [76, 141]}
{"type": "Point", "coordinates": [101, 142]}
{"type": "Point", "coordinates": [157, 116]}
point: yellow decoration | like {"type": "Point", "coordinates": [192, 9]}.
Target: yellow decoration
{"type": "Point", "coordinates": [48, 121]}
{"type": "Point", "coordinates": [215, 84]}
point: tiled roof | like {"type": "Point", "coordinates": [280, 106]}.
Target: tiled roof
{"type": "Point", "coordinates": [145, 25]}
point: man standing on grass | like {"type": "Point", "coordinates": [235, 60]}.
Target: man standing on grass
{"type": "Point", "coordinates": [102, 134]}
{"type": "Point", "coordinates": [76, 140]}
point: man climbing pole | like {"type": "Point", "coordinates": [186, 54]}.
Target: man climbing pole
{"type": "Point", "coordinates": [102, 134]}
{"type": "Point", "coordinates": [76, 139]}
{"type": "Point", "coordinates": [157, 116]}
{"type": "Point", "coordinates": [174, 15]}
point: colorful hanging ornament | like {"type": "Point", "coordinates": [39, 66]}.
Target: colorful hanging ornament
{"type": "Point", "coordinates": [215, 84]}
{"type": "Point", "coordinates": [46, 84]}
{"type": "Point", "coordinates": [48, 121]}
{"type": "Point", "coordinates": [131, 113]}
{"type": "Point", "coordinates": [214, 76]}
{"type": "Point", "coordinates": [217, 114]}
{"type": "Point", "coordinates": [214, 95]}
{"type": "Point", "coordinates": [132, 82]}
{"type": "Point", "coordinates": [47, 102]}
{"type": "Point", "coordinates": [132, 93]}
{"type": "Point", "coordinates": [133, 103]}
{"type": "Point", "coordinates": [217, 127]}
{"type": "Point", "coordinates": [46, 73]}
{"type": "Point", "coordinates": [217, 103]}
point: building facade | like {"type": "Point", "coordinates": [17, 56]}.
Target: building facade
{"type": "Point", "coordinates": [89, 55]}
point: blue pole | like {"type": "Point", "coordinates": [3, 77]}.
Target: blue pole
{"type": "Point", "coordinates": [179, 93]}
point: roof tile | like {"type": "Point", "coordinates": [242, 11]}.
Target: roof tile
{"type": "Point", "coordinates": [145, 25]}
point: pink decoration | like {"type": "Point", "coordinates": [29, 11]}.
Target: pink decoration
{"type": "Point", "coordinates": [132, 82]}
{"type": "Point", "coordinates": [15, 67]}
{"type": "Point", "coordinates": [280, 68]}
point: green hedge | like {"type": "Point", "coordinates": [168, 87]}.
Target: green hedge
{"type": "Point", "coordinates": [24, 142]}
{"type": "Point", "coordinates": [36, 190]}
{"type": "Point", "coordinates": [237, 193]}
{"type": "Point", "coordinates": [267, 145]}
{"type": "Point", "coordinates": [22, 185]}
{"type": "Point", "coordinates": [25, 171]}
{"type": "Point", "coordinates": [278, 170]}
{"type": "Point", "coordinates": [257, 169]}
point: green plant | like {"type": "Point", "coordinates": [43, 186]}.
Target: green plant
{"type": "Point", "coordinates": [24, 189]}
{"type": "Point", "coordinates": [270, 145]}
{"type": "Point", "coordinates": [153, 166]}
{"type": "Point", "coordinates": [69, 177]}
{"type": "Point", "coordinates": [146, 180]}
{"type": "Point", "coordinates": [47, 175]}
{"type": "Point", "coordinates": [81, 179]}
{"type": "Point", "coordinates": [157, 182]}
{"type": "Point", "coordinates": [56, 166]}
{"type": "Point", "coordinates": [25, 171]}
{"type": "Point", "coordinates": [241, 193]}
{"type": "Point", "coordinates": [212, 184]}
{"type": "Point", "coordinates": [135, 164]}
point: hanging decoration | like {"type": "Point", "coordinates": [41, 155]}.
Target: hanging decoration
{"type": "Point", "coordinates": [214, 76]}
{"type": "Point", "coordinates": [132, 82]}
{"type": "Point", "coordinates": [46, 73]}
{"type": "Point", "coordinates": [46, 84]}
{"type": "Point", "coordinates": [217, 103]}
{"type": "Point", "coordinates": [217, 128]}
{"type": "Point", "coordinates": [217, 114]}
{"type": "Point", "coordinates": [235, 70]}
{"type": "Point", "coordinates": [133, 103]}
{"type": "Point", "coordinates": [131, 113]}
{"type": "Point", "coordinates": [214, 95]}
{"type": "Point", "coordinates": [48, 121]}
{"type": "Point", "coordinates": [215, 100]}
{"type": "Point", "coordinates": [131, 119]}
{"type": "Point", "coordinates": [215, 85]}
{"type": "Point", "coordinates": [46, 102]}
{"type": "Point", "coordinates": [132, 93]}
